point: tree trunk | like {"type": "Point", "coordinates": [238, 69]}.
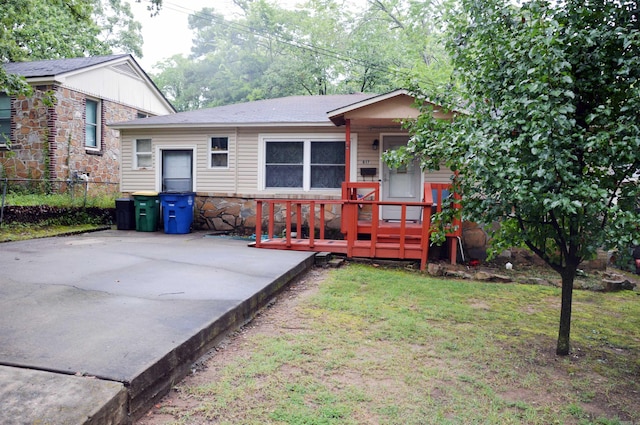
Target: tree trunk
{"type": "Point", "coordinates": [568, 276]}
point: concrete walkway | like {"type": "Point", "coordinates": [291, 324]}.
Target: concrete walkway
{"type": "Point", "coordinates": [94, 328]}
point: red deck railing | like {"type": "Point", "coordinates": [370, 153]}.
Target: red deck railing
{"type": "Point", "coordinates": [363, 233]}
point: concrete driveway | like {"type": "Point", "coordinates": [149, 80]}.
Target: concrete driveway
{"type": "Point", "coordinates": [94, 328]}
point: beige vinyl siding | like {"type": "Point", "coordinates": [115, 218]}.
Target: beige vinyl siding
{"type": "Point", "coordinates": [369, 158]}
{"type": "Point", "coordinates": [208, 180]}
{"type": "Point", "coordinates": [135, 180]}
{"type": "Point", "coordinates": [217, 180]}
{"type": "Point", "coordinates": [247, 164]}
{"type": "Point", "coordinates": [241, 176]}
{"type": "Point", "coordinates": [249, 161]}
{"type": "Point", "coordinates": [441, 176]}
{"type": "Point", "coordinates": [366, 156]}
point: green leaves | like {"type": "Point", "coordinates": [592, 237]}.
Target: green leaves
{"type": "Point", "coordinates": [552, 133]}
{"type": "Point", "coordinates": [53, 29]}
{"type": "Point", "coordinates": [321, 47]}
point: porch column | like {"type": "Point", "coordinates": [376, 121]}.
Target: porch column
{"type": "Point", "coordinates": [347, 152]}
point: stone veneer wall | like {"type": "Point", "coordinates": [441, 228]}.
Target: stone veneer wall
{"type": "Point", "coordinates": [60, 131]}
{"type": "Point", "coordinates": [68, 150]}
{"type": "Point", "coordinates": [238, 215]}
{"type": "Point", "coordinates": [29, 137]}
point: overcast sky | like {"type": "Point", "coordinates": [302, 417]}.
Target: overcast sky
{"type": "Point", "coordinates": [168, 33]}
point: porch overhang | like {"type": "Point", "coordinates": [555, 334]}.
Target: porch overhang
{"type": "Point", "coordinates": [390, 108]}
{"type": "Point", "coordinates": [394, 106]}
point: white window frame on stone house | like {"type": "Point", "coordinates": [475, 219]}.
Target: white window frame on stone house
{"type": "Point", "coordinates": [93, 124]}
{"type": "Point", "coordinates": [5, 119]}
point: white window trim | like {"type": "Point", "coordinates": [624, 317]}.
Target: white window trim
{"type": "Point", "coordinates": [136, 154]}
{"type": "Point", "coordinates": [212, 152]}
{"type": "Point", "coordinates": [158, 157]}
{"type": "Point", "coordinates": [3, 141]}
{"type": "Point", "coordinates": [307, 138]}
{"type": "Point", "coordinates": [98, 146]}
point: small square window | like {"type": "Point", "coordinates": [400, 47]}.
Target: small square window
{"type": "Point", "coordinates": [219, 152]}
{"type": "Point", "coordinates": [143, 156]}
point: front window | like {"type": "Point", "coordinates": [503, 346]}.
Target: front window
{"type": "Point", "coordinates": [304, 164]}
{"type": "Point", "coordinates": [143, 153]}
{"type": "Point", "coordinates": [219, 152]}
{"type": "Point", "coordinates": [327, 164]}
{"type": "Point", "coordinates": [284, 164]}
{"type": "Point", "coordinates": [92, 127]}
{"type": "Point", "coordinates": [5, 119]}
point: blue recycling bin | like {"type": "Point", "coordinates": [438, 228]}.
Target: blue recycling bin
{"type": "Point", "coordinates": [177, 211]}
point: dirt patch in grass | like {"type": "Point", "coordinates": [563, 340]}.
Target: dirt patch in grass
{"type": "Point", "coordinates": [509, 374]}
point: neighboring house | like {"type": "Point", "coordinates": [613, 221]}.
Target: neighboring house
{"type": "Point", "coordinates": [70, 137]}
{"type": "Point", "coordinates": [298, 148]}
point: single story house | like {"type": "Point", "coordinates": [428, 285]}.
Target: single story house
{"type": "Point", "coordinates": [69, 136]}
{"type": "Point", "coordinates": [296, 153]}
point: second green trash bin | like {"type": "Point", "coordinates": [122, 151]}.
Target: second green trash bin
{"type": "Point", "coordinates": [177, 211]}
{"type": "Point", "coordinates": [147, 207]}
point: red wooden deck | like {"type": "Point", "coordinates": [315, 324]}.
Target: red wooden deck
{"type": "Point", "coordinates": [362, 236]}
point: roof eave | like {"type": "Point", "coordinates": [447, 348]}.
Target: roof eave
{"type": "Point", "coordinates": [117, 126]}
{"type": "Point", "coordinates": [337, 115]}
{"type": "Point", "coordinates": [54, 79]}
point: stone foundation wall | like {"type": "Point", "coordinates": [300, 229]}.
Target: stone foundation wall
{"type": "Point", "coordinates": [238, 215]}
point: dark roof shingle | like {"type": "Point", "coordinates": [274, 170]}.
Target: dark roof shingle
{"type": "Point", "coordinates": [284, 110]}
{"type": "Point", "coordinates": [53, 67]}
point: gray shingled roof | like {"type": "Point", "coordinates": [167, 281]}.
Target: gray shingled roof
{"type": "Point", "coordinates": [290, 110]}
{"type": "Point", "coordinates": [53, 67]}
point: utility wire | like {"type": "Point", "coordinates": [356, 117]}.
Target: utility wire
{"type": "Point", "coordinates": [279, 39]}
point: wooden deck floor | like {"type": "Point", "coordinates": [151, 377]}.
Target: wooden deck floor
{"type": "Point", "coordinates": [387, 243]}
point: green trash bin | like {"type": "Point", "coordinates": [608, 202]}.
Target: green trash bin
{"type": "Point", "coordinates": [147, 208]}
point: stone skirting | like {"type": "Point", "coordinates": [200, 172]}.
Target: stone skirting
{"type": "Point", "coordinates": [237, 215]}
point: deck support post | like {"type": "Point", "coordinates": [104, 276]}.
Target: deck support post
{"type": "Point", "coordinates": [298, 220]}
{"type": "Point", "coordinates": [288, 224]}
{"type": "Point", "coordinates": [271, 220]}
{"type": "Point", "coordinates": [312, 224]}
{"type": "Point", "coordinates": [258, 222]}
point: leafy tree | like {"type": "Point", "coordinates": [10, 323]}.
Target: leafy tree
{"type": "Point", "coordinates": [180, 80]}
{"type": "Point", "coordinates": [118, 28]}
{"type": "Point", "coordinates": [414, 36]}
{"type": "Point", "coordinates": [54, 29]}
{"type": "Point", "coordinates": [321, 47]}
{"type": "Point", "coordinates": [550, 136]}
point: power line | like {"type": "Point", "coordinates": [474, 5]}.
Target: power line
{"type": "Point", "coordinates": [239, 27]}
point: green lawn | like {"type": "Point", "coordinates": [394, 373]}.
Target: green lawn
{"type": "Point", "coordinates": [377, 346]}
{"type": "Point", "coordinates": [20, 232]}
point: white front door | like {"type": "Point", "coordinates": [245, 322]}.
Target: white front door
{"type": "Point", "coordinates": [400, 184]}
{"type": "Point", "coordinates": [177, 170]}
